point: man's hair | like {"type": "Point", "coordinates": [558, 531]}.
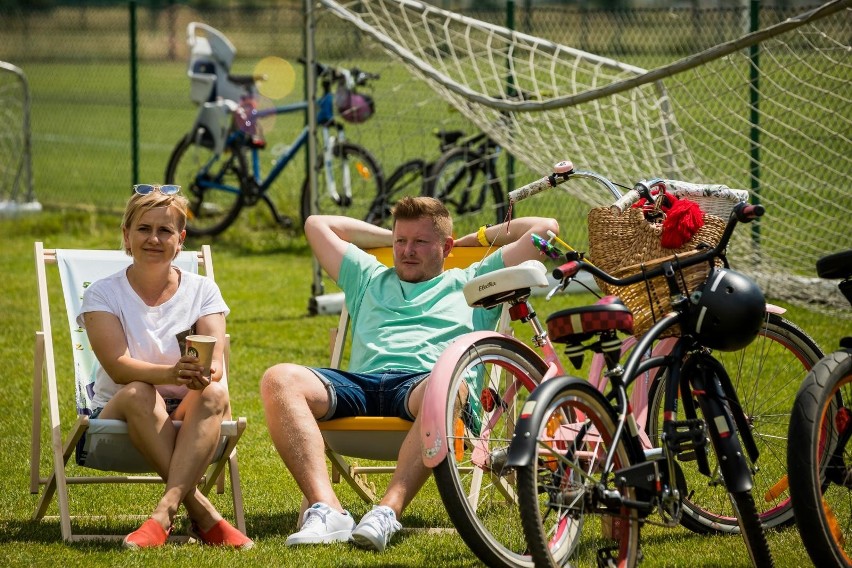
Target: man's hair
{"type": "Point", "coordinates": [412, 208]}
{"type": "Point", "coordinates": [138, 205]}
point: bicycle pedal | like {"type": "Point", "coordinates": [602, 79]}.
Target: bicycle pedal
{"type": "Point", "coordinates": [684, 436]}
{"type": "Point", "coordinates": [687, 456]}
{"type": "Point", "coordinates": [642, 476]}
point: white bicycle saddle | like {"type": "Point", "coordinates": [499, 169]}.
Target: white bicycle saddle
{"type": "Point", "coordinates": [498, 286]}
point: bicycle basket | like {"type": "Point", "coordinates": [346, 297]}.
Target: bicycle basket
{"type": "Point", "coordinates": [626, 243]}
{"type": "Point", "coordinates": [354, 107]}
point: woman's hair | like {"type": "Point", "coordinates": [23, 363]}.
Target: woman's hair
{"type": "Point", "coordinates": [138, 205]}
{"type": "Point", "coordinates": [412, 208]}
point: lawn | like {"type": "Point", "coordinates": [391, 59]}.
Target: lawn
{"type": "Point", "coordinates": [265, 276]}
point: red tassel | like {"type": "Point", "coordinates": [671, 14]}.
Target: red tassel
{"type": "Point", "coordinates": [683, 219]}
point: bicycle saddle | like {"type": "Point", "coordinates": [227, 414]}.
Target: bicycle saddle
{"type": "Point", "coordinates": [510, 283]}
{"type": "Point", "coordinates": [578, 324]}
{"type": "Point", "coordinates": [837, 265]}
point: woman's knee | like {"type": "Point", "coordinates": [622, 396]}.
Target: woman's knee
{"type": "Point", "coordinates": [215, 397]}
{"type": "Point", "coordinates": [137, 394]}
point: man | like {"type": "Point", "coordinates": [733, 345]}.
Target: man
{"type": "Point", "coordinates": [402, 319]}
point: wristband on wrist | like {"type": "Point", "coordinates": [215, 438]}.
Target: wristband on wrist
{"type": "Point", "coordinates": [480, 236]}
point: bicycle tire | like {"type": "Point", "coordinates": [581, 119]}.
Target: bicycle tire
{"type": "Point", "coordinates": [366, 178]}
{"type": "Point", "coordinates": [192, 161]}
{"type": "Point", "coordinates": [818, 455]}
{"type": "Point", "coordinates": [458, 179]}
{"type": "Point", "coordinates": [766, 374]}
{"type": "Point", "coordinates": [551, 493]}
{"type": "Point", "coordinates": [490, 526]}
{"type": "Point", "coordinates": [406, 180]}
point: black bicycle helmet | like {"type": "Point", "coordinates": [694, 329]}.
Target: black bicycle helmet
{"type": "Point", "coordinates": [728, 310]}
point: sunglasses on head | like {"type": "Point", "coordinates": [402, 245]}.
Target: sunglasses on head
{"type": "Point", "coordinates": [146, 188]}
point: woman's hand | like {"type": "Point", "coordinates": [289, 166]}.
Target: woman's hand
{"type": "Point", "coordinates": [189, 373]}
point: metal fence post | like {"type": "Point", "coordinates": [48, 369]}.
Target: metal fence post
{"type": "Point", "coordinates": [134, 97]}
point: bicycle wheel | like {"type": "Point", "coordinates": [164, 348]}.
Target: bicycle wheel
{"type": "Point", "coordinates": [406, 180]}
{"type": "Point", "coordinates": [820, 457]}
{"type": "Point", "coordinates": [462, 179]}
{"type": "Point", "coordinates": [558, 489]}
{"type": "Point", "coordinates": [214, 184]}
{"type": "Point", "coordinates": [482, 404]}
{"type": "Point", "coordinates": [351, 166]}
{"type": "Point", "coordinates": [766, 375]}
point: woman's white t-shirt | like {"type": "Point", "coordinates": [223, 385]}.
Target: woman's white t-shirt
{"type": "Point", "coordinates": [154, 333]}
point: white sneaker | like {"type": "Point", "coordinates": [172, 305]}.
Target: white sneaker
{"type": "Point", "coordinates": [321, 525]}
{"type": "Point", "coordinates": [376, 528]}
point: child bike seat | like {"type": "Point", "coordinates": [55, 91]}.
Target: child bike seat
{"type": "Point", "coordinates": [510, 283]}
{"type": "Point", "coordinates": [575, 325]}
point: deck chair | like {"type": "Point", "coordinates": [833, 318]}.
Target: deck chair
{"type": "Point", "coordinates": [99, 443]}
{"type": "Point", "coordinates": [368, 437]}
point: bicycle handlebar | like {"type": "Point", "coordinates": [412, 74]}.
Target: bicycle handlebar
{"type": "Point", "coordinates": [643, 190]}
{"type": "Point", "coordinates": [562, 172]}
{"type": "Point", "coordinates": [742, 213]}
{"type": "Point", "coordinates": [357, 76]}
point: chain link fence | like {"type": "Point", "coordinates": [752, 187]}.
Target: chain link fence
{"type": "Point", "coordinates": [78, 64]}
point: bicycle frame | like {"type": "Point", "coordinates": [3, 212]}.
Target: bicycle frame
{"type": "Point", "coordinates": [325, 118]}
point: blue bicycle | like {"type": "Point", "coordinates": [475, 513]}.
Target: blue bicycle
{"type": "Point", "coordinates": [218, 163]}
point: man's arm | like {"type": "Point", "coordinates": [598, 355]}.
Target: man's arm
{"type": "Point", "coordinates": [514, 237]}
{"type": "Point", "coordinates": [329, 235]}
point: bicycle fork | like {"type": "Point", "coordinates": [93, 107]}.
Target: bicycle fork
{"type": "Point", "coordinates": [330, 143]}
{"type": "Point", "coordinates": [706, 380]}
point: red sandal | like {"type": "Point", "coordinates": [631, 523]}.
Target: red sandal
{"type": "Point", "coordinates": [221, 534]}
{"type": "Point", "coordinates": [150, 534]}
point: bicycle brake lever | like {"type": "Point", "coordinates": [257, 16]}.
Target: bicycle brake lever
{"type": "Point", "coordinates": [561, 286]}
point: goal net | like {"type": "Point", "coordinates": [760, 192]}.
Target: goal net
{"type": "Point", "coordinates": [768, 112]}
{"type": "Point", "coordinates": [16, 188]}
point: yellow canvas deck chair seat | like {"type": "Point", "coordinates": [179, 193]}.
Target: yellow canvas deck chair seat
{"type": "Point", "coordinates": [369, 437]}
{"type": "Point", "coordinates": [99, 443]}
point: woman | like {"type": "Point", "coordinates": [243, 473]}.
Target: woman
{"type": "Point", "coordinates": [136, 321]}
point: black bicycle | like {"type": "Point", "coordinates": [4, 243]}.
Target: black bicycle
{"type": "Point", "coordinates": [410, 179]}
{"type": "Point", "coordinates": [585, 482]}
{"type": "Point", "coordinates": [464, 177]}
{"type": "Point", "coordinates": [819, 455]}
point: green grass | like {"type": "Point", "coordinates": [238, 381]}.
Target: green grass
{"type": "Point", "coordinates": [265, 277]}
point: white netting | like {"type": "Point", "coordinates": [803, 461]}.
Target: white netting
{"type": "Point", "coordinates": [695, 119]}
{"type": "Point", "coordinates": [15, 167]}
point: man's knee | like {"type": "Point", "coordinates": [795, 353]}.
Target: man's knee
{"type": "Point", "coordinates": [288, 382]}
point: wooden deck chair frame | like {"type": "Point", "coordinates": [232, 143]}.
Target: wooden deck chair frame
{"type": "Point", "coordinates": [369, 437]}
{"type": "Point", "coordinates": [61, 450]}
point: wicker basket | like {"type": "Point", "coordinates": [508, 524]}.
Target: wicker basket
{"type": "Point", "coordinates": [625, 244]}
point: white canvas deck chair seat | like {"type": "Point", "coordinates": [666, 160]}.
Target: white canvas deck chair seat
{"type": "Point", "coordinates": [99, 443]}
{"type": "Point", "coordinates": [369, 437]}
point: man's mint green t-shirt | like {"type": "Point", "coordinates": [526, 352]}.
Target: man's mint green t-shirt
{"type": "Point", "coordinates": [405, 326]}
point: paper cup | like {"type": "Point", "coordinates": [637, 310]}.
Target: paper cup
{"type": "Point", "coordinates": [201, 346]}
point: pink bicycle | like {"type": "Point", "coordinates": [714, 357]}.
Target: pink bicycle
{"type": "Point", "coordinates": [478, 386]}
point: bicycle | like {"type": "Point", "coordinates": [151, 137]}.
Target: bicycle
{"type": "Point", "coordinates": [490, 524]}
{"type": "Point", "coordinates": [464, 177]}
{"type": "Point", "coordinates": [466, 180]}
{"type": "Point", "coordinates": [577, 452]}
{"type": "Point", "coordinates": [410, 178]}
{"type": "Point", "coordinates": [819, 454]}
{"type": "Point", "coordinates": [219, 161]}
